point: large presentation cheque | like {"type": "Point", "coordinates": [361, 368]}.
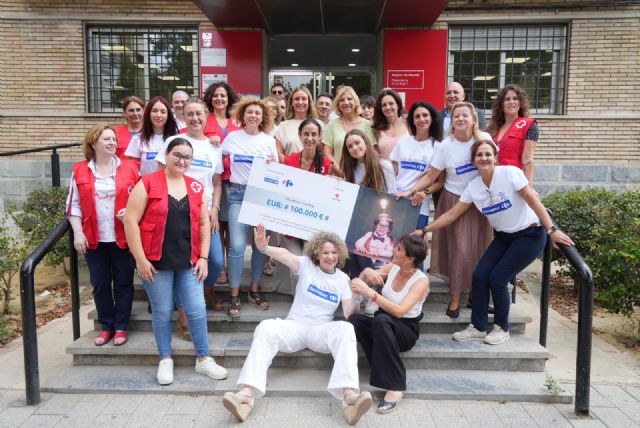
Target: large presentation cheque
{"type": "Point", "coordinates": [299, 203]}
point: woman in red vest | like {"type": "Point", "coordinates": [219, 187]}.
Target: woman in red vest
{"type": "Point", "coordinates": [167, 224]}
{"type": "Point", "coordinates": [513, 131]}
{"type": "Point", "coordinates": [132, 110]}
{"type": "Point", "coordinates": [99, 190]}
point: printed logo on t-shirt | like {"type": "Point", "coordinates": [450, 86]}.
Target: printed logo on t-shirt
{"type": "Point", "coordinates": [202, 163]}
{"type": "Point", "coordinates": [243, 158]}
{"type": "Point", "coordinates": [497, 204]}
{"type": "Point", "coordinates": [151, 155]}
{"type": "Point", "coordinates": [323, 294]}
{"type": "Point", "coordinates": [462, 167]}
{"type": "Point", "coordinates": [414, 166]}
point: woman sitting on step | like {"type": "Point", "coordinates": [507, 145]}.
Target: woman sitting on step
{"type": "Point", "coordinates": [321, 288]}
{"type": "Point", "coordinates": [521, 223]}
{"type": "Point", "coordinates": [395, 327]}
{"type": "Point", "coordinates": [167, 226]}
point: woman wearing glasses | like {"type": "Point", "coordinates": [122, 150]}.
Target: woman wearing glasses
{"type": "Point", "coordinates": [167, 223]}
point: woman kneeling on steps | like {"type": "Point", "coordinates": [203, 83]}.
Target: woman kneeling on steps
{"type": "Point", "coordinates": [321, 287]}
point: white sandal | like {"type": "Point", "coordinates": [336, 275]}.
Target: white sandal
{"type": "Point", "coordinates": [357, 407]}
{"type": "Point", "coordinates": [240, 405]}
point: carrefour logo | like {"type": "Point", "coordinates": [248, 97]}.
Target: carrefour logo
{"type": "Point", "coordinates": [287, 183]}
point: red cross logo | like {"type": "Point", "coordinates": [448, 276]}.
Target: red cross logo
{"type": "Point", "coordinates": [521, 124]}
{"type": "Point", "coordinates": [196, 187]}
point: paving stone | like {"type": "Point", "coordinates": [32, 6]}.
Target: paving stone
{"type": "Point", "coordinates": [110, 421]}
{"type": "Point", "coordinates": [186, 405]}
{"type": "Point", "coordinates": [613, 417]}
{"type": "Point", "coordinates": [373, 419]}
{"type": "Point", "coordinates": [545, 415]}
{"type": "Point", "coordinates": [12, 398]}
{"type": "Point", "coordinates": [42, 421]}
{"type": "Point", "coordinates": [518, 422]}
{"type": "Point", "coordinates": [14, 416]}
{"type": "Point", "coordinates": [623, 401]}
{"type": "Point", "coordinates": [480, 415]}
{"type": "Point", "coordinates": [567, 411]}
{"type": "Point", "coordinates": [178, 421]}
{"type": "Point", "coordinates": [440, 409]}
{"type": "Point", "coordinates": [634, 391]}
{"type": "Point", "coordinates": [122, 405]}
{"type": "Point", "coordinates": [412, 413]}
{"type": "Point", "coordinates": [313, 407]}
{"type": "Point", "coordinates": [587, 423]}
{"type": "Point", "coordinates": [450, 422]}
{"type": "Point", "coordinates": [509, 410]}
{"type": "Point", "coordinates": [151, 410]}
{"type": "Point", "coordinates": [77, 420]}
{"type": "Point", "coordinates": [58, 404]}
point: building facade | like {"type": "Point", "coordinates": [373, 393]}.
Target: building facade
{"type": "Point", "coordinates": [65, 66]}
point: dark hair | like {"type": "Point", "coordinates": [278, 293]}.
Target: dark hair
{"type": "Point", "coordinates": [319, 158]}
{"type": "Point", "coordinates": [435, 130]}
{"type": "Point", "coordinates": [326, 95]}
{"type": "Point", "coordinates": [380, 121]}
{"type": "Point", "coordinates": [497, 112]}
{"type": "Point", "coordinates": [478, 143]}
{"type": "Point", "coordinates": [180, 141]}
{"type": "Point", "coordinates": [373, 175]}
{"type": "Point", "coordinates": [368, 100]}
{"type": "Point", "coordinates": [415, 247]}
{"type": "Point", "coordinates": [232, 96]}
{"type": "Point", "coordinates": [284, 90]}
{"type": "Point", "coordinates": [170, 127]}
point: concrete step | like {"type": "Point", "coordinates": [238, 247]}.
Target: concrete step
{"type": "Point", "coordinates": [432, 351]}
{"type": "Point", "coordinates": [434, 321]}
{"type": "Point", "coordinates": [421, 384]}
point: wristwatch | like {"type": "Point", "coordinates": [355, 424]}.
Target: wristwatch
{"type": "Point", "coordinates": [552, 229]}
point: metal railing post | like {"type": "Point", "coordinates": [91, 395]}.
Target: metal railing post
{"type": "Point", "coordinates": [55, 168]}
{"type": "Point", "coordinates": [583, 356]}
{"type": "Point", "coordinates": [544, 293]}
{"type": "Point", "coordinates": [29, 332]}
{"type": "Point", "coordinates": [75, 287]}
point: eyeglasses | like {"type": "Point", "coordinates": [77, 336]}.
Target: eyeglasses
{"type": "Point", "coordinates": [178, 157]}
{"type": "Point", "coordinates": [384, 225]}
{"type": "Point", "coordinates": [276, 92]}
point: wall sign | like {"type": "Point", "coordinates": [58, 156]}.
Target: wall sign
{"type": "Point", "coordinates": [405, 79]}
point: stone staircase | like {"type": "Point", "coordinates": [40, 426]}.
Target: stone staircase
{"type": "Point", "coordinates": [438, 367]}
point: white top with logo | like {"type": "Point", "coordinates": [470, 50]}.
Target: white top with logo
{"type": "Point", "coordinates": [145, 152]}
{"type": "Point", "coordinates": [413, 158]}
{"type": "Point", "coordinates": [318, 294]}
{"type": "Point", "coordinates": [242, 148]}
{"type": "Point", "coordinates": [505, 209]}
{"type": "Point", "coordinates": [206, 162]}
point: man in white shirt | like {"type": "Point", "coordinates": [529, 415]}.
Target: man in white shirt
{"type": "Point", "coordinates": [178, 99]}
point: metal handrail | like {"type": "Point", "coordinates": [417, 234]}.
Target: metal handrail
{"type": "Point", "coordinates": [585, 317]}
{"type": "Point", "coordinates": [28, 302]}
{"type": "Point", "coordinates": [55, 158]}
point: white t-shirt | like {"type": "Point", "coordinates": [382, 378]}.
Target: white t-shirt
{"type": "Point", "coordinates": [318, 294]}
{"type": "Point", "coordinates": [455, 157]}
{"type": "Point", "coordinates": [206, 162]}
{"type": "Point", "coordinates": [387, 171]}
{"type": "Point", "coordinates": [287, 134]}
{"type": "Point", "coordinates": [413, 158]}
{"type": "Point", "coordinates": [146, 152]}
{"type": "Point", "coordinates": [505, 209]}
{"type": "Point", "coordinates": [242, 148]}
{"type": "Point", "coordinates": [398, 297]}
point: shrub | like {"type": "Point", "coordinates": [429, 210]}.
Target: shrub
{"type": "Point", "coordinates": [605, 226]}
{"type": "Point", "coordinates": [13, 253]}
{"type": "Point", "coordinates": [41, 213]}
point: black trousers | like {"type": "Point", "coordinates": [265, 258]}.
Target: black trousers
{"type": "Point", "coordinates": [383, 337]}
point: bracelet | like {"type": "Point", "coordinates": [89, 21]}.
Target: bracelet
{"type": "Point", "coordinates": [375, 297]}
{"type": "Point", "coordinates": [264, 251]}
{"type": "Point", "coordinates": [203, 258]}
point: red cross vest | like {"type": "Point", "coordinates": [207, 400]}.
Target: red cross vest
{"type": "Point", "coordinates": [127, 175]}
{"type": "Point", "coordinates": [511, 146]}
{"type": "Point", "coordinates": [124, 138]}
{"type": "Point", "coordinates": [155, 215]}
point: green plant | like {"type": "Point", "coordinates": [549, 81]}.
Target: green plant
{"type": "Point", "coordinates": [13, 253]}
{"type": "Point", "coordinates": [552, 385]}
{"type": "Point", "coordinates": [605, 226]}
{"type": "Point", "coordinates": [40, 214]}
{"type": "Point", "coordinates": [5, 330]}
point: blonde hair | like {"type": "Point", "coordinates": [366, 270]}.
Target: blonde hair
{"type": "Point", "coordinates": [314, 245]}
{"type": "Point", "coordinates": [477, 134]}
{"type": "Point", "coordinates": [311, 109]}
{"type": "Point", "coordinates": [91, 137]}
{"type": "Point", "coordinates": [242, 105]}
{"type": "Point", "coordinates": [344, 91]}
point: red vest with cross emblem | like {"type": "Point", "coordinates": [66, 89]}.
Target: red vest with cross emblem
{"type": "Point", "coordinates": [511, 146]}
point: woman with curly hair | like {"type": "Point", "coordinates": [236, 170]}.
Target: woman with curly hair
{"type": "Point", "coordinates": [513, 131]}
{"type": "Point", "coordinates": [321, 287]}
{"type": "Point", "coordinates": [388, 124]}
{"type": "Point", "coordinates": [242, 147]}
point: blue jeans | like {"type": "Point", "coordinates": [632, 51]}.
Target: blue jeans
{"type": "Point", "coordinates": [238, 233]}
{"type": "Point", "coordinates": [216, 260]}
{"type": "Point", "coordinates": [507, 255]}
{"type": "Point", "coordinates": [109, 263]}
{"type": "Point", "coordinates": [189, 292]}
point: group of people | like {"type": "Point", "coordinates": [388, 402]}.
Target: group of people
{"type": "Point", "coordinates": [167, 188]}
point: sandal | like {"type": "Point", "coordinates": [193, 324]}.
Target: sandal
{"type": "Point", "coordinates": [120, 338]}
{"type": "Point", "coordinates": [222, 279]}
{"type": "Point", "coordinates": [213, 302]}
{"type": "Point", "coordinates": [103, 337]}
{"type": "Point", "coordinates": [239, 405]}
{"type": "Point", "coordinates": [234, 307]}
{"type": "Point", "coordinates": [256, 298]}
{"type": "Point", "coordinates": [355, 408]}
{"type": "Point", "coordinates": [268, 269]}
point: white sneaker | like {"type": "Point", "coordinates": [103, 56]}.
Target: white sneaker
{"type": "Point", "coordinates": [469, 333]}
{"type": "Point", "coordinates": [370, 308]}
{"type": "Point", "coordinates": [497, 336]}
{"type": "Point", "coordinates": [209, 367]}
{"type": "Point", "coordinates": [165, 371]}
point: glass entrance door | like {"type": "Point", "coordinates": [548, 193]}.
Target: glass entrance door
{"type": "Point", "coordinates": [361, 79]}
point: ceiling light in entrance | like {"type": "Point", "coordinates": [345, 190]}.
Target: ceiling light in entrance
{"type": "Point", "coordinates": [291, 50]}
{"type": "Point", "coordinates": [352, 65]}
{"type": "Point", "coordinates": [294, 65]}
{"type": "Point", "coordinates": [355, 50]}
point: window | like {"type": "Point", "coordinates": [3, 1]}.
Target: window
{"type": "Point", "coordinates": [142, 61]}
{"type": "Point", "coordinates": [486, 58]}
